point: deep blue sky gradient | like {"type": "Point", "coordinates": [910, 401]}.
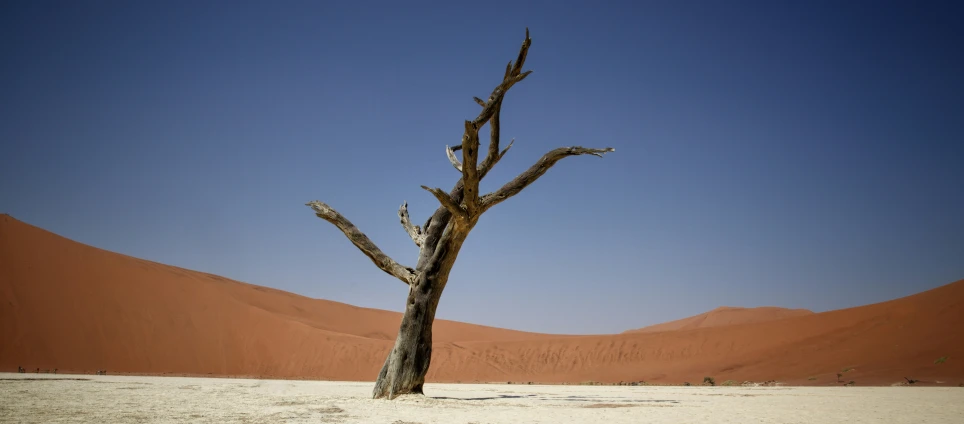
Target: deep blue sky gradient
{"type": "Point", "coordinates": [797, 154]}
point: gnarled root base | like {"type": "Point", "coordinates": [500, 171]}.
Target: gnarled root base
{"type": "Point", "coordinates": [404, 371]}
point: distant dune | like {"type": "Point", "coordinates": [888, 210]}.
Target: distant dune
{"type": "Point", "coordinates": [73, 307]}
{"type": "Point", "coordinates": [725, 315]}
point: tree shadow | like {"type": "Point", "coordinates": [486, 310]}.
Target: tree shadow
{"type": "Point", "coordinates": [486, 398]}
{"type": "Point", "coordinates": [564, 398]}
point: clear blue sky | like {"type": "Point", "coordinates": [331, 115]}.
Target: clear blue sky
{"type": "Point", "coordinates": [797, 154]}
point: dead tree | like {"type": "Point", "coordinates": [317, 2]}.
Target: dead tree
{"type": "Point", "coordinates": [442, 235]}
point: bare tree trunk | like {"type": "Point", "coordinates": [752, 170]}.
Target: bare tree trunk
{"type": "Point", "coordinates": [405, 368]}
{"type": "Point", "coordinates": [441, 238]}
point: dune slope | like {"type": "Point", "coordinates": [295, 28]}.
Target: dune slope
{"type": "Point", "coordinates": [74, 307]}
{"type": "Point", "coordinates": [725, 315]}
{"type": "Point", "coordinates": [71, 306]}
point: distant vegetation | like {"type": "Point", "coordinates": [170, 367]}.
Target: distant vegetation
{"type": "Point", "coordinates": [841, 373]}
{"type": "Point", "coordinates": [730, 383]}
{"type": "Point", "coordinates": [709, 380]}
{"type": "Point", "coordinates": [940, 360]}
{"type": "Point", "coordinates": [812, 378]}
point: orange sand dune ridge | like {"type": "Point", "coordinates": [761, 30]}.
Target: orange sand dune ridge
{"type": "Point", "coordinates": [77, 308]}
{"type": "Point", "coordinates": [725, 315]}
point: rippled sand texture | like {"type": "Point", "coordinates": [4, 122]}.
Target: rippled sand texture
{"type": "Point", "coordinates": [124, 399]}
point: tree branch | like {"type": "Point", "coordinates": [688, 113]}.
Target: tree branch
{"type": "Point", "coordinates": [441, 216]}
{"type": "Point", "coordinates": [470, 163]}
{"type": "Point", "coordinates": [535, 171]}
{"type": "Point", "coordinates": [450, 152]}
{"type": "Point", "coordinates": [362, 242]}
{"type": "Point", "coordinates": [413, 230]}
{"type": "Point", "coordinates": [490, 113]}
{"type": "Point", "coordinates": [436, 224]}
{"type": "Point", "coordinates": [493, 156]}
{"type": "Point", "coordinates": [512, 76]}
{"type": "Point", "coordinates": [504, 151]}
{"type": "Point", "coordinates": [447, 201]}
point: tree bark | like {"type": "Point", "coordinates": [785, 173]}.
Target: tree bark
{"type": "Point", "coordinates": [441, 237]}
{"type": "Point", "coordinates": [407, 364]}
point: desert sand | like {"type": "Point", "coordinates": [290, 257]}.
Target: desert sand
{"type": "Point", "coordinates": [120, 399]}
{"type": "Point", "coordinates": [725, 315]}
{"type": "Point", "coordinates": [77, 308]}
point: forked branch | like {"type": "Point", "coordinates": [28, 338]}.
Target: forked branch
{"type": "Point", "coordinates": [413, 230]}
{"type": "Point", "coordinates": [362, 242]}
{"type": "Point", "coordinates": [513, 74]}
{"type": "Point", "coordinates": [535, 171]}
{"type": "Point", "coordinates": [470, 167]}
{"type": "Point", "coordinates": [442, 214]}
{"type": "Point", "coordinates": [489, 161]}
{"type": "Point", "coordinates": [447, 201]}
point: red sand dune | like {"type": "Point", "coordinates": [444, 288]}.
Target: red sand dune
{"type": "Point", "coordinates": [725, 315]}
{"type": "Point", "coordinates": [73, 307]}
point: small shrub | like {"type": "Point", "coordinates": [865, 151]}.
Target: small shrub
{"type": "Point", "coordinates": [910, 380]}
{"type": "Point", "coordinates": [851, 383]}
{"type": "Point", "coordinates": [729, 383]}
{"type": "Point", "coordinates": [812, 378]}
{"type": "Point", "coordinates": [940, 360]}
{"type": "Point", "coordinates": [839, 374]}
{"type": "Point", "coordinates": [847, 369]}
{"type": "Point", "coordinates": [687, 383]}
{"type": "Point", "coordinates": [709, 380]}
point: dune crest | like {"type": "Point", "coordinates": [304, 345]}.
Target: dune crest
{"type": "Point", "coordinates": [725, 315]}
{"type": "Point", "coordinates": [73, 307]}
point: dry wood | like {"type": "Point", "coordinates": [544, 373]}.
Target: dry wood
{"type": "Point", "coordinates": [362, 242]}
{"type": "Point", "coordinates": [452, 158]}
{"type": "Point", "coordinates": [441, 237]}
{"type": "Point", "coordinates": [535, 171]}
{"type": "Point", "coordinates": [447, 201]}
{"type": "Point", "coordinates": [413, 230]}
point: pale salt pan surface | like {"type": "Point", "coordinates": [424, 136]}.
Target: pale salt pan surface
{"type": "Point", "coordinates": [48, 398]}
